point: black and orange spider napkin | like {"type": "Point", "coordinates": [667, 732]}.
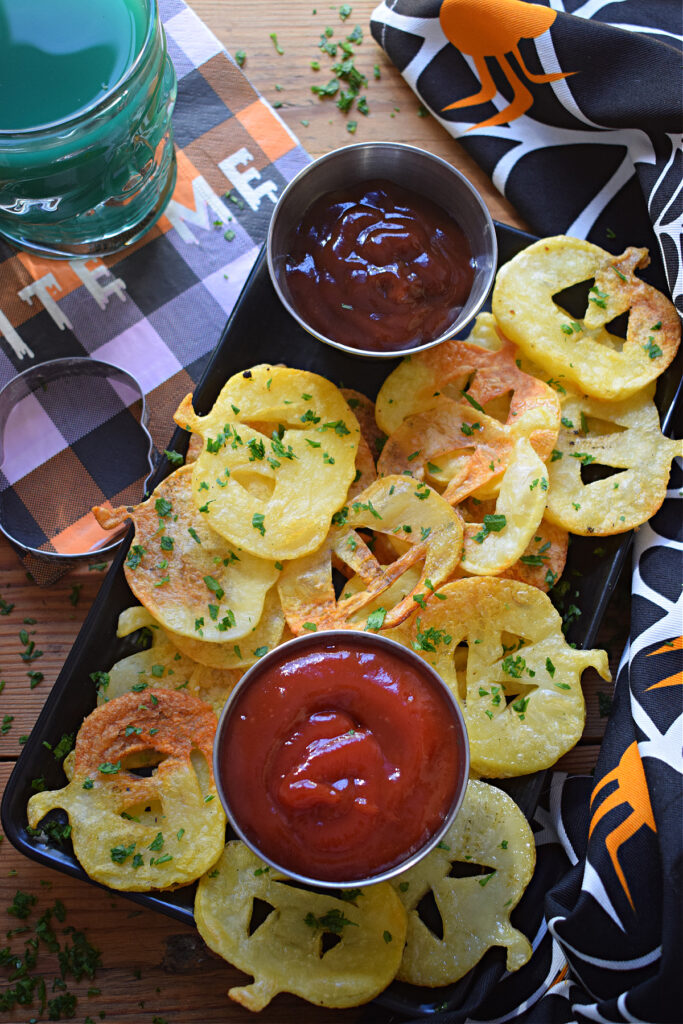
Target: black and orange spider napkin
{"type": "Point", "coordinates": [574, 108]}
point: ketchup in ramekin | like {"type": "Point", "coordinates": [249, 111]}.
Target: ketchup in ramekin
{"type": "Point", "coordinates": [341, 758]}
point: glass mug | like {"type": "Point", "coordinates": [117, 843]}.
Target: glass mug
{"type": "Point", "coordinates": [86, 147]}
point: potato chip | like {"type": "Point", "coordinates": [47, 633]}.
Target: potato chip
{"type": "Point", "coordinates": [489, 380]}
{"type": "Point", "coordinates": [273, 493]}
{"type": "Point", "coordinates": [163, 665]}
{"type": "Point", "coordinates": [583, 351]}
{"type": "Point", "coordinates": [366, 473]}
{"type": "Point", "coordinates": [393, 505]}
{"type": "Point", "coordinates": [500, 539]}
{"type": "Point", "coordinates": [364, 411]}
{"type": "Point", "coordinates": [138, 833]}
{"type": "Point", "coordinates": [187, 575]}
{"type": "Point", "coordinates": [248, 649]}
{"type": "Point", "coordinates": [289, 950]}
{"type": "Point", "coordinates": [454, 448]}
{"type": "Point", "coordinates": [521, 692]}
{"type": "Point", "coordinates": [622, 436]}
{"type": "Point", "coordinates": [476, 877]}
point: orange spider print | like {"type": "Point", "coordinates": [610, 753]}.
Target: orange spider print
{"type": "Point", "coordinates": [633, 792]}
{"type": "Point", "coordinates": [493, 28]}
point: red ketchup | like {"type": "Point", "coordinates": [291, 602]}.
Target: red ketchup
{"type": "Point", "coordinates": [379, 267]}
{"type": "Point", "coordinates": [341, 760]}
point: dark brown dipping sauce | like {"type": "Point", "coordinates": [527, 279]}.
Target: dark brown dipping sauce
{"type": "Point", "coordinates": [379, 267]}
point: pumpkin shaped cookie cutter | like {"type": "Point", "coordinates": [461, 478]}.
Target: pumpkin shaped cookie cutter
{"type": "Point", "coordinates": [49, 500]}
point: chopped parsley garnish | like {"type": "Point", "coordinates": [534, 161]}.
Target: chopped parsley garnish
{"type": "Point", "coordinates": [376, 619]}
{"type": "Point", "coordinates": [135, 556]}
{"type": "Point", "coordinates": [257, 521]}
{"type": "Point", "coordinates": [214, 586]}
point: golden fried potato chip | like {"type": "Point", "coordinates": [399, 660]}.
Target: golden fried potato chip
{"type": "Point", "coordinates": [583, 351]}
{"type": "Point", "coordinates": [286, 951]}
{"type": "Point", "coordinates": [489, 380]}
{"type": "Point", "coordinates": [187, 575]}
{"type": "Point", "coordinates": [500, 538]}
{"type": "Point", "coordinates": [521, 691]}
{"type": "Point", "coordinates": [364, 411]}
{"type": "Point", "coordinates": [248, 649]}
{"type": "Point", "coordinates": [163, 665]}
{"type": "Point", "coordinates": [273, 493]}
{"type": "Point", "coordinates": [492, 845]}
{"type": "Point", "coordinates": [136, 833]}
{"type": "Point", "coordinates": [620, 435]}
{"type": "Point", "coordinates": [454, 448]}
{"type": "Point", "coordinates": [366, 472]}
{"type": "Point", "coordinates": [392, 505]}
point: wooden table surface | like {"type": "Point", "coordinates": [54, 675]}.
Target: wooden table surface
{"type": "Point", "coordinates": [154, 969]}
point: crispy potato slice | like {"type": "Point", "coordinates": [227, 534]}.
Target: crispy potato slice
{"type": "Point", "coordinates": [273, 494]}
{"type": "Point", "coordinates": [174, 828]}
{"type": "Point", "coordinates": [248, 649]}
{"type": "Point", "coordinates": [488, 376]}
{"type": "Point", "coordinates": [491, 832]}
{"type": "Point", "coordinates": [285, 952]}
{"type": "Point", "coordinates": [583, 351]}
{"type": "Point", "coordinates": [392, 505]}
{"type": "Point", "coordinates": [522, 698]}
{"type": "Point", "coordinates": [163, 665]}
{"type": "Point", "coordinates": [500, 539]}
{"type": "Point", "coordinates": [183, 571]}
{"type": "Point", "coordinates": [621, 435]}
{"type": "Point", "coordinates": [366, 472]}
{"type": "Point", "coordinates": [364, 411]}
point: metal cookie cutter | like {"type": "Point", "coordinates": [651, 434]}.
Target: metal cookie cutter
{"type": "Point", "coordinates": [43, 503]}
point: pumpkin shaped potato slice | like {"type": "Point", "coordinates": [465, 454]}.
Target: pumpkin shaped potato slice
{"type": "Point", "coordinates": [520, 691]}
{"type": "Point", "coordinates": [583, 351]}
{"type": "Point", "coordinates": [285, 953]}
{"type": "Point", "coordinates": [180, 569]}
{"type": "Point", "coordinates": [136, 833]}
{"type": "Point", "coordinates": [621, 436]}
{"type": "Point", "coordinates": [397, 506]}
{"type": "Point", "coordinates": [279, 457]}
{"type": "Point", "coordinates": [490, 832]}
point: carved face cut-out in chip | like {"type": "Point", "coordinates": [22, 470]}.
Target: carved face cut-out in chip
{"type": "Point", "coordinates": [136, 832]}
{"type": "Point", "coordinates": [184, 572]}
{"type": "Point", "coordinates": [397, 506]}
{"type": "Point", "coordinates": [475, 878]}
{"type": "Point", "coordinates": [328, 950]}
{"type": "Point", "coordinates": [278, 460]}
{"type": "Point", "coordinates": [243, 652]}
{"type": "Point", "coordinates": [581, 350]}
{"type": "Point", "coordinates": [598, 438]}
{"type": "Point", "coordinates": [520, 688]}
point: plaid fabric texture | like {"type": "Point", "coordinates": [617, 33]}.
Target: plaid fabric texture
{"type": "Point", "coordinates": [157, 309]}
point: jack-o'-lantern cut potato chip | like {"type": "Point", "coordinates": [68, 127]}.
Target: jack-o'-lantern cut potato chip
{"type": "Point", "coordinates": [500, 538]}
{"type": "Point", "coordinates": [159, 664]}
{"type": "Point", "coordinates": [489, 379]}
{"type": "Point", "coordinates": [138, 833]}
{"type": "Point", "coordinates": [395, 505]}
{"type": "Point", "coordinates": [162, 664]}
{"type": "Point", "coordinates": [192, 581]}
{"type": "Point", "coordinates": [279, 457]}
{"type": "Point", "coordinates": [287, 951]}
{"type": "Point", "coordinates": [476, 876]}
{"type": "Point", "coordinates": [585, 497]}
{"type": "Point", "coordinates": [239, 654]}
{"type": "Point", "coordinates": [520, 691]}
{"type": "Point", "coordinates": [582, 350]}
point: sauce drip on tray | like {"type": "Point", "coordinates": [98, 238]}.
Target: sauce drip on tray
{"type": "Point", "coordinates": [379, 267]}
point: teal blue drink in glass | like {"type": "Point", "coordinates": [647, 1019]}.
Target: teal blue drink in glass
{"type": "Point", "coordinates": [86, 148]}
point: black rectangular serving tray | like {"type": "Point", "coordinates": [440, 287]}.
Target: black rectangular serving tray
{"type": "Point", "coordinates": [261, 331]}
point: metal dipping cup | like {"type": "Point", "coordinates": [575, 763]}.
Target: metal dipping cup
{"type": "Point", "coordinates": [94, 182]}
{"type": "Point", "coordinates": [411, 168]}
{"type": "Point", "coordinates": [293, 649]}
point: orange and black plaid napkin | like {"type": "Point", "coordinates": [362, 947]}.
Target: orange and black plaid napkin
{"type": "Point", "coordinates": [157, 310]}
{"type": "Point", "coordinates": [573, 107]}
